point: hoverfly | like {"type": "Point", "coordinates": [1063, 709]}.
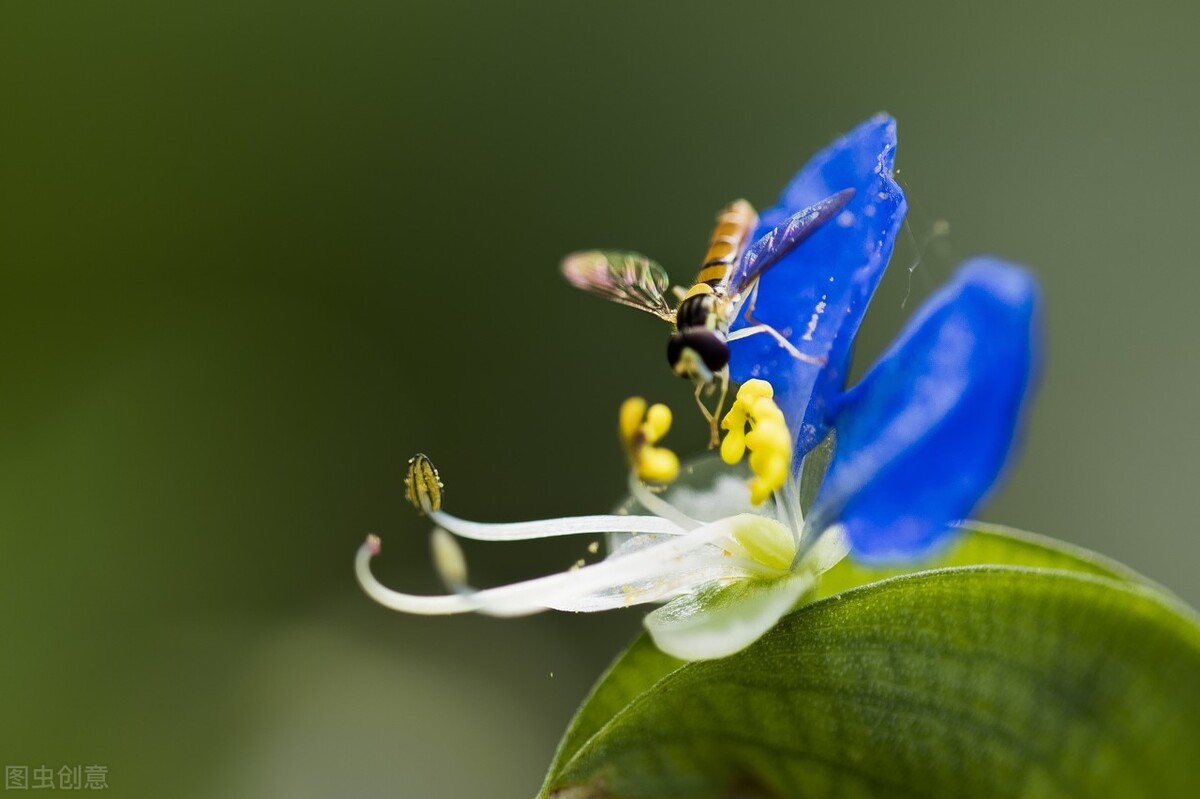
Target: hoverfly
{"type": "Point", "coordinates": [728, 278]}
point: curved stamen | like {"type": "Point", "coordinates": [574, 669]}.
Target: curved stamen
{"type": "Point", "coordinates": [659, 506]}
{"type": "Point", "coordinates": [553, 528]}
{"type": "Point", "coordinates": [408, 603]}
{"type": "Point", "coordinates": [666, 559]}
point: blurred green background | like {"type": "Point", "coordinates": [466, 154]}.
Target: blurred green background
{"type": "Point", "coordinates": [255, 255]}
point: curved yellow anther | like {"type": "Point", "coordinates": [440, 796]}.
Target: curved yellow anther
{"type": "Point", "coordinates": [422, 485]}
{"type": "Point", "coordinates": [658, 422]}
{"type": "Point", "coordinates": [633, 411]}
{"type": "Point", "coordinates": [657, 465]}
{"type": "Point", "coordinates": [767, 438]}
{"type": "Point", "coordinates": [641, 428]}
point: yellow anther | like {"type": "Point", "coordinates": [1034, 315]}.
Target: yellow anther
{"type": "Point", "coordinates": [448, 559]}
{"type": "Point", "coordinates": [641, 428]}
{"type": "Point", "coordinates": [752, 389]}
{"type": "Point", "coordinates": [657, 465]}
{"type": "Point", "coordinates": [633, 411]}
{"type": "Point", "coordinates": [768, 439]}
{"type": "Point", "coordinates": [658, 422]}
{"type": "Point", "coordinates": [422, 486]}
{"type": "Point", "coordinates": [733, 448]}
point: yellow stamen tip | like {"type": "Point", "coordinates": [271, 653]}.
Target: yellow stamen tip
{"type": "Point", "coordinates": [633, 411]}
{"type": "Point", "coordinates": [755, 388]}
{"type": "Point", "coordinates": [658, 421]}
{"type": "Point", "coordinates": [641, 427]}
{"type": "Point", "coordinates": [768, 439]}
{"type": "Point", "coordinates": [733, 448]}
{"type": "Point", "coordinates": [422, 485]}
{"type": "Point", "coordinates": [657, 465]}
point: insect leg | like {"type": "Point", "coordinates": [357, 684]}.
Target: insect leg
{"type": "Point", "coordinates": [714, 437]}
{"type": "Point", "coordinates": [723, 376]}
{"type": "Point", "coordinates": [756, 327]}
{"type": "Point", "coordinates": [746, 332]}
{"type": "Point", "coordinates": [750, 320]}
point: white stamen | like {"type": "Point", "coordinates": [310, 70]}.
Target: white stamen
{"type": "Point", "coordinates": [552, 528]}
{"type": "Point", "coordinates": [671, 559]}
{"type": "Point", "coordinates": [659, 506]}
{"type": "Point", "coordinates": [424, 605]}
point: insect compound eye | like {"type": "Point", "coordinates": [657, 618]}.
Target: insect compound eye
{"type": "Point", "coordinates": [698, 344]}
{"type": "Point", "coordinates": [710, 346]}
{"type": "Point", "coordinates": [675, 354]}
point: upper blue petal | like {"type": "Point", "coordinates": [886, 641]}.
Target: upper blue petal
{"type": "Point", "coordinates": [817, 294]}
{"type": "Point", "coordinates": [928, 430]}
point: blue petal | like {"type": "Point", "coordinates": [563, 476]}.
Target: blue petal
{"type": "Point", "coordinates": [817, 294]}
{"type": "Point", "coordinates": [928, 430]}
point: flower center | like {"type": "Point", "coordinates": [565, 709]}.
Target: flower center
{"type": "Point", "coordinates": [764, 540]}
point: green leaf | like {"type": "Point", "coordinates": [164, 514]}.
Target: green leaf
{"type": "Point", "coordinates": [984, 544]}
{"type": "Point", "coordinates": [1078, 679]}
{"type": "Point", "coordinates": [635, 671]}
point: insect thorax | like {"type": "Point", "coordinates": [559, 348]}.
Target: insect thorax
{"type": "Point", "coordinates": [698, 310]}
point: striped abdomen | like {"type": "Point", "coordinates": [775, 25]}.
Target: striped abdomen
{"type": "Point", "coordinates": [735, 224]}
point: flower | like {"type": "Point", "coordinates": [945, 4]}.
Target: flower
{"type": "Point", "coordinates": [916, 444]}
{"type": "Point", "coordinates": [919, 441]}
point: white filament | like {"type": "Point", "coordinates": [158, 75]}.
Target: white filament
{"type": "Point", "coordinates": [659, 506]}
{"type": "Point", "coordinates": [675, 557]}
{"type": "Point", "coordinates": [552, 528]}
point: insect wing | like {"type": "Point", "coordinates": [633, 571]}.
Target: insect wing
{"type": "Point", "coordinates": [783, 238]}
{"type": "Point", "coordinates": [625, 277]}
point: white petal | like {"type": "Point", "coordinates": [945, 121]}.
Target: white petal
{"type": "Point", "coordinates": [720, 620]}
{"type": "Point", "coordinates": [828, 551]}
